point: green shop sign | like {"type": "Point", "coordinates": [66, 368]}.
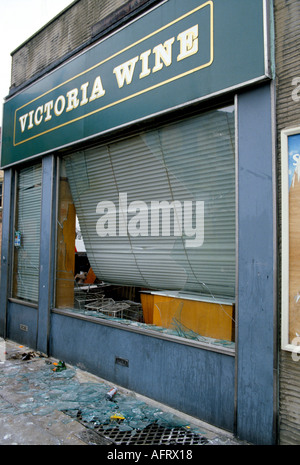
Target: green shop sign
{"type": "Point", "coordinates": [179, 52]}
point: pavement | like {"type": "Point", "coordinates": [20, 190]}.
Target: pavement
{"type": "Point", "coordinates": [44, 401]}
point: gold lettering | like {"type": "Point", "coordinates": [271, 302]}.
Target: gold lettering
{"type": "Point", "coordinates": [73, 101]}
{"type": "Point", "coordinates": [38, 120]}
{"type": "Point", "coordinates": [84, 99]}
{"type": "Point", "coordinates": [188, 42]}
{"type": "Point", "coordinates": [125, 71]}
{"type": "Point", "coordinates": [23, 120]}
{"type": "Point", "coordinates": [30, 125]}
{"type": "Point", "coordinates": [98, 90]}
{"type": "Point", "coordinates": [62, 101]}
{"type": "Point", "coordinates": [47, 108]}
{"type": "Point", "coordinates": [163, 52]}
{"type": "Point", "coordinates": [144, 57]}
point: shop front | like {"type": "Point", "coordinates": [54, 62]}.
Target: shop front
{"type": "Point", "coordinates": [138, 220]}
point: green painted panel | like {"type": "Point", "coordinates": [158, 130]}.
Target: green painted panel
{"type": "Point", "coordinates": [177, 53]}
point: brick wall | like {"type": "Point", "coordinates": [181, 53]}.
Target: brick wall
{"type": "Point", "coordinates": [287, 39]}
{"type": "Point", "coordinates": [67, 32]}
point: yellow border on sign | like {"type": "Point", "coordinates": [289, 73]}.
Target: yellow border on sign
{"type": "Point", "coordinates": [208, 3]}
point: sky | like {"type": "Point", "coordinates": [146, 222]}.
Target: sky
{"type": "Point", "coordinates": [19, 20]}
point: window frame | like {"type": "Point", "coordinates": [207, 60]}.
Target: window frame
{"type": "Point", "coordinates": [286, 345]}
{"type": "Point", "coordinates": [231, 351]}
{"type": "Point", "coordinates": [11, 297]}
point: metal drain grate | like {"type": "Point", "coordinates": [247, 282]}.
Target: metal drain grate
{"type": "Point", "coordinates": [152, 434]}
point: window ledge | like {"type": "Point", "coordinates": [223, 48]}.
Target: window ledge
{"type": "Point", "coordinates": [213, 347]}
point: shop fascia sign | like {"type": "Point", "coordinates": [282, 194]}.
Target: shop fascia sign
{"type": "Point", "coordinates": [177, 53]}
{"type": "Point", "coordinates": [123, 73]}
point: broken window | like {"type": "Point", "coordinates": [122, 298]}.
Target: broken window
{"type": "Point", "coordinates": [27, 228]}
{"type": "Point", "coordinates": [156, 214]}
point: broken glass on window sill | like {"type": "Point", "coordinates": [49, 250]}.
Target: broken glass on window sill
{"type": "Point", "coordinates": [178, 330]}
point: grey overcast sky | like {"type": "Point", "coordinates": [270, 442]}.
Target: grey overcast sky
{"type": "Point", "coordinates": [19, 20]}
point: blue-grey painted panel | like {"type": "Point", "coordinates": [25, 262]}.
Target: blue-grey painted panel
{"type": "Point", "coordinates": [22, 324]}
{"type": "Point", "coordinates": [7, 216]}
{"type": "Point", "coordinates": [256, 265]}
{"type": "Point", "coordinates": [46, 261]}
{"type": "Point", "coordinates": [193, 380]}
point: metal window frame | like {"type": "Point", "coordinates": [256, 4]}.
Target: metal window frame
{"type": "Point", "coordinates": [147, 331]}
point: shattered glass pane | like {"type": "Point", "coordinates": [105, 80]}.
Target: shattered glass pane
{"type": "Point", "coordinates": [31, 386]}
{"type": "Point", "coordinates": [42, 390]}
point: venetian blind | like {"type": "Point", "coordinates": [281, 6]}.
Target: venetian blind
{"type": "Point", "coordinates": [28, 223]}
{"type": "Point", "coordinates": [190, 163]}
